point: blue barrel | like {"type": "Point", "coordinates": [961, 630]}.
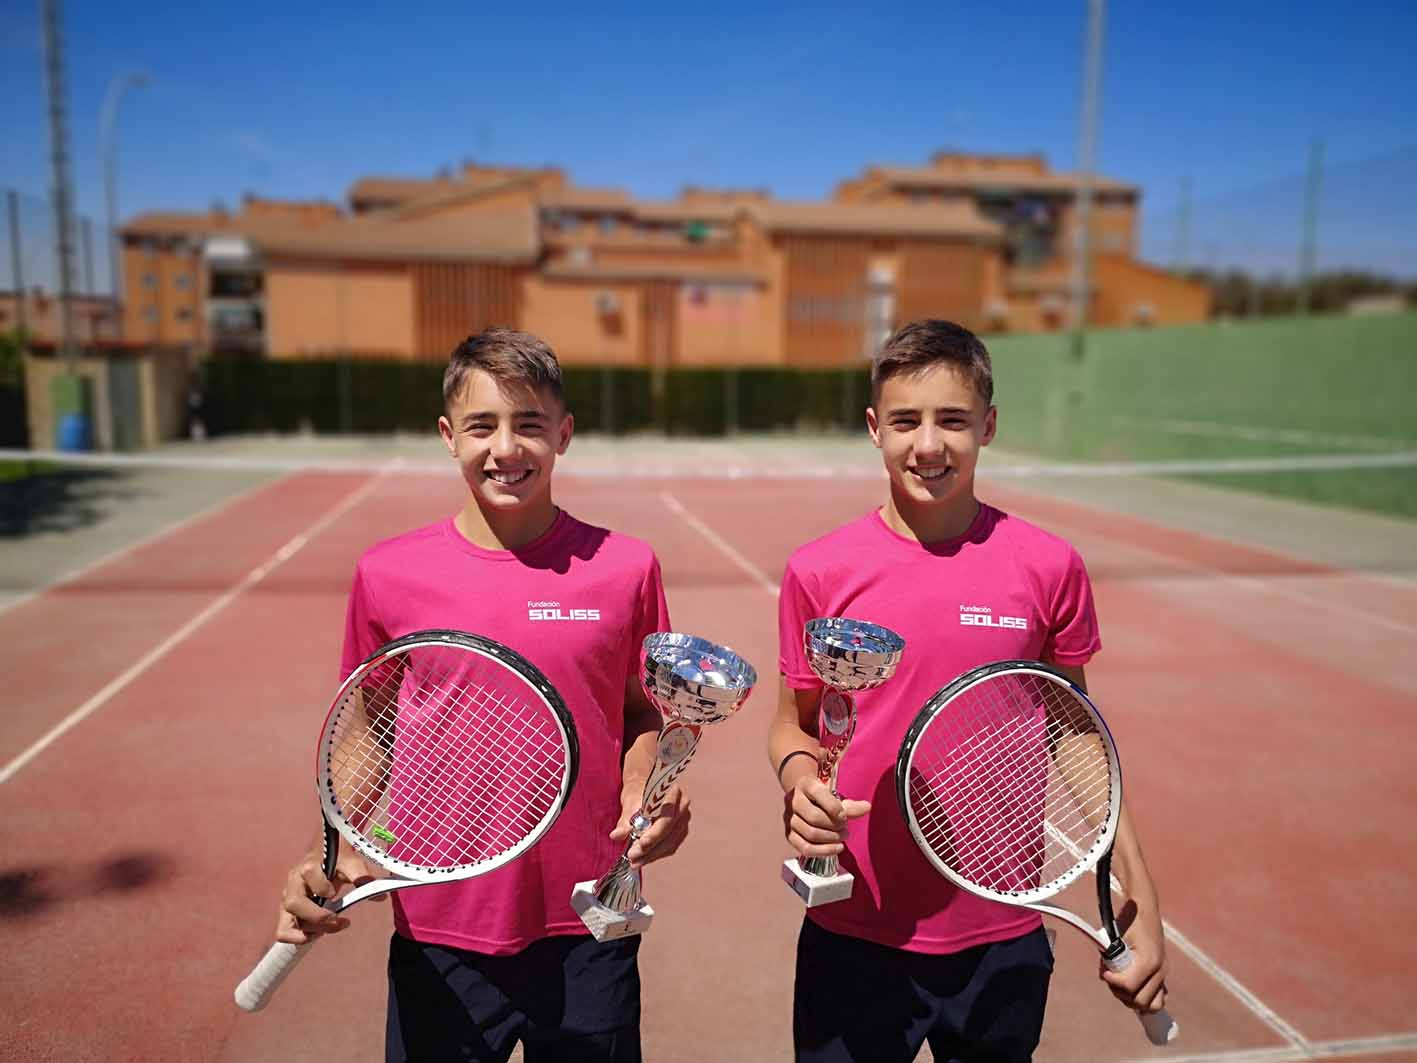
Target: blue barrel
{"type": "Point", "coordinates": [71, 400]}
{"type": "Point", "coordinates": [74, 431]}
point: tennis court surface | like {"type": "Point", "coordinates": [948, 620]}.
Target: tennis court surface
{"type": "Point", "coordinates": [171, 634]}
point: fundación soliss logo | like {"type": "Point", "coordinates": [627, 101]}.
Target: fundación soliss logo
{"type": "Point", "coordinates": [554, 611]}
{"type": "Point", "coordinates": [983, 616]}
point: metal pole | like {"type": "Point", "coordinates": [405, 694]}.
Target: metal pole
{"type": "Point", "coordinates": [1087, 163]}
{"type": "Point", "coordinates": [1308, 243]}
{"type": "Point", "coordinates": [86, 254]}
{"type": "Point", "coordinates": [17, 265]}
{"type": "Point", "coordinates": [108, 152]}
{"type": "Point", "coordinates": [59, 164]}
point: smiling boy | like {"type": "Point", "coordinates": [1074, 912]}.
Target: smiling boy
{"type": "Point", "coordinates": [478, 965]}
{"type": "Point", "coordinates": [909, 958]}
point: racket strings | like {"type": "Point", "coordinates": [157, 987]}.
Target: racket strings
{"type": "Point", "coordinates": [444, 758]}
{"type": "Point", "coordinates": [1011, 785]}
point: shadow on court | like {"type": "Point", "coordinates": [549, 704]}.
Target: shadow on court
{"type": "Point", "coordinates": [47, 498]}
{"type": "Point", "coordinates": [31, 891]}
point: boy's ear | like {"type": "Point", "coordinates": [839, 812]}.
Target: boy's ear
{"type": "Point", "coordinates": [445, 429]}
{"type": "Point", "coordinates": [991, 425]}
{"type": "Point", "coordinates": [564, 432]}
{"type": "Point", "coordinates": [874, 425]}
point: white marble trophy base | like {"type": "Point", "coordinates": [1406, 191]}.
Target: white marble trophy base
{"type": "Point", "coordinates": [816, 889]}
{"type": "Point", "coordinates": [604, 924]}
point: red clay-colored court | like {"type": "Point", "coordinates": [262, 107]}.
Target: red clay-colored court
{"type": "Point", "coordinates": [1262, 702]}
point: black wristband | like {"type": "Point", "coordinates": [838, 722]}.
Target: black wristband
{"type": "Point", "coordinates": [795, 753]}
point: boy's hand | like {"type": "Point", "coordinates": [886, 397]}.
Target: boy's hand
{"type": "Point", "coordinates": [1142, 986]}
{"type": "Point", "coordinates": [301, 919]}
{"type": "Point", "coordinates": [814, 819]}
{"type": "Point", "coordinates": [664, 835]}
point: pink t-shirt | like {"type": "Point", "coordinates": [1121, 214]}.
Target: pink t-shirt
{"type": "Point", "coordinates": [577, 602]}
{"type": "Point", "coordinates": [1005, 589]}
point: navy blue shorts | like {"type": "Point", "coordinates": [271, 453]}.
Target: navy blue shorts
{"type": "Point", "coordinates": [858, 1001]}
{"type": "Point", "coordinates": [565, 999]}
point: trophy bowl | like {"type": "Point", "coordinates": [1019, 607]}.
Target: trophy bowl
{"type": "Point", "coordinates": [694, 680]}
{"type": "Point", "coordinates": [851, 654]}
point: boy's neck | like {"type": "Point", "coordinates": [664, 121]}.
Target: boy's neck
{"type": "Point", "coordinates": [930, 524]}
{"type": "Point", "coordinates": [505, 529]}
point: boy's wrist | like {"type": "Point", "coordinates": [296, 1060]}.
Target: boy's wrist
{"type": "Point", "coordinates": [794, 765]}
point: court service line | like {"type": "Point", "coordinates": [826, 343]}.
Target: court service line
{"type": "Point", "coordinates": [1337, 1049]}
{"type": "Point", "coordinates": [260, 572]}
{"type": "Point", "coordinates": [137, 544]}
{"type": "Point", "coordinates": [724, 546]}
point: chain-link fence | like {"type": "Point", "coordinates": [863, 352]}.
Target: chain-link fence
{"type": "Point", "coordinates": [29, 273]}
{"type": "Point", "coordinates": [1347, 231]}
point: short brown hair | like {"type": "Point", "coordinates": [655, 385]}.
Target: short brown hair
{"type": "Point", "coordinates": [921, 344]}
{"type": "Point", "coordinates": [508, 357]}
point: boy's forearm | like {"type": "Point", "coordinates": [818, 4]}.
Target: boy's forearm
{"type": "Point", "coordinates": [641, 748]}
{"type": "Point", "coordinates": [1129, 865]}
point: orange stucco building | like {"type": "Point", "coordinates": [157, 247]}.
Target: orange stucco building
{"type": "Point", "coordinates": [411, 267]}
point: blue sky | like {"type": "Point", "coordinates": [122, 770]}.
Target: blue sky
{"type": "Point", "coordinates": [295, 100]}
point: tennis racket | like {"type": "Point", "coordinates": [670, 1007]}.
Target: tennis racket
{"type": "Point", "coordinates": [1010, 785]}
{"type": "Point", "coordinates": [444, 756]}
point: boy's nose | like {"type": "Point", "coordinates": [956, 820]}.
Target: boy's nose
{"type": "Point", "coordinates": [504, 444]}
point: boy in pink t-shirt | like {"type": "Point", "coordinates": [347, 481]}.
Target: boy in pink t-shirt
{"type": "Point", "coordinates": [476, 966]}
{"type": "Point", "coordinates": [908, 957]}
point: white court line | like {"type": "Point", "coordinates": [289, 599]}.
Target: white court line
{"type": "Point", "coordinates": [138, 544]}
{"type": "Point", "coordinates": [1263, 586]}
{"type": "Point", "coordinates": [724, 546]}
{"type": "Point", "coordinates": [285, 553]}
{"type": "Point", "coordinates": [1220, 975]}
{"type": "Point", "coordinates": [1337, 1049]}
{"type": "Point", "coordinates": [711, 470]}
{"type": "Point", "coordinates": [1178, 426]}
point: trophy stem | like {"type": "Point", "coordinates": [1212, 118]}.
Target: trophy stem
{"type": "Point", "coordinates": [621, 888]}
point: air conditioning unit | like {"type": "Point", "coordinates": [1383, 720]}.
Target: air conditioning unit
{"type": "Point", "coordinates": [607, 303]}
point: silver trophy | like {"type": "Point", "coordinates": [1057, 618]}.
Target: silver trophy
{"type": "Point", "coordinates": [692, 682]}
{"type": "Point", "coordinates": [848, 656]}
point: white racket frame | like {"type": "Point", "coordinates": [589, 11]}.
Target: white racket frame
{"type": "Point", "coordinates": [1159, 1026]}
{"type": "Point", "coordinates": [280, 959]}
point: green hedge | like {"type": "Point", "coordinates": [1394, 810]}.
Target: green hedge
{"type": "Point", "coordinates": [331, 396]}
{"type": "Point", "coordinates": [14, 429]}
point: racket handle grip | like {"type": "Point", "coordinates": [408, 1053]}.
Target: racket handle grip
{"type": "Point", "coordinates": [265, 978]}
{"type": "Point", "coordinates": [1160, 1027]}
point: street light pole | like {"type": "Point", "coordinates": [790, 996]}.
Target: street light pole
{"type": "Point", "coordinates": [108, 151]}
{"type": "Point", "coordinates": [1087, 164]}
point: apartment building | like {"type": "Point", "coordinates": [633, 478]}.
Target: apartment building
{"type": "Point", "coordinates": [714, 276]}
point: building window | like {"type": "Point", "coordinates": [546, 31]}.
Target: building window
{"type": "Point", "coordinates": [150, 281]}
{"type": "Point", "coordinates": [150, 314]}
{"type": "Point", "coordinates": [183, 281]}
{"type": "Point", "coordinates": [184, 314]}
